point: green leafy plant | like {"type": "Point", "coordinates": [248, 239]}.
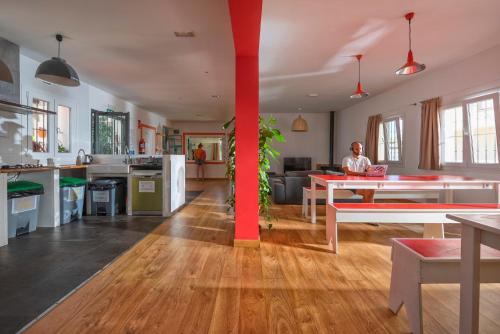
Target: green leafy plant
{"type": "Point", "coordinates": [267, 134]}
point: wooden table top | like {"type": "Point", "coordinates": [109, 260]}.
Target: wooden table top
{"type": "Point", "coordinates": [399, 178]}
{"type": "Point", "coordinates": [490, 223]}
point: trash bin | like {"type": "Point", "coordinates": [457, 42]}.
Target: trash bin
{"type": "Point", "coordinates": [23, 199]}
{"type": "Point", "coordinates": [106, 197]}
{"type": "Point", "coordinates": [71, 196]}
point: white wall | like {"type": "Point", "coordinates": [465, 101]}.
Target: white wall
{"type": "Point", "coordinates": [314, 143]}
{"type": "Point", "coordinates": [82, 99]}
{"type": "Point", "coordinates": [453, 83]}
{"type": "Point", "coordinates": [211, 170]}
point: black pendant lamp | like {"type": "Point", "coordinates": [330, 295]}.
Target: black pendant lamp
{"type": "Point", "coordinates": [5, 74]}
{"type": "Point", "coordinates": [411, 66]}
{"type": "Point", "coordinates": [57, 71]}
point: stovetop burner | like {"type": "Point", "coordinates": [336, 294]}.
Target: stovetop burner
{"type": "Point", "coordinates": [21, 166]}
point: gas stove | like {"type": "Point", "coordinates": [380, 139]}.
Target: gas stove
{"type": "Point", "coordinates": [20, 166]}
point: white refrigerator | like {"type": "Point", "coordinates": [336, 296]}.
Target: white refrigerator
{"type": "Point", "coordinates": [174, 183]}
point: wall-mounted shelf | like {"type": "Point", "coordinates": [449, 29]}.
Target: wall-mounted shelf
{"type": "Point", "coordinates": [22, 109]}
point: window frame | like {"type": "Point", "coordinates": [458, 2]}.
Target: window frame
{"type": "Point", "coordinates": [400, 139]}
{"type": "Point", "coordinates": [72, 126]}
{"type": "Point", "coordinates": [35, 94]}
{"type": "Point", "coordinates": [467, 145]}
{"type": "Point", "coordinates": [93, 129]}
{"type": "Point", "coordinates": [496, 112]}
{"type": "Point", "coordinates": [441, 137]}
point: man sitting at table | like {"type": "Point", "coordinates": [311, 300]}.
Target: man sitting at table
{"type": "Point", "coordinates": [357, 165]}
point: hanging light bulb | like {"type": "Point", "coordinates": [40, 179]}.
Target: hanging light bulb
{"type": "Point", "coordinates": [359, 93]}
{"type": "Point", "coordinates": [57, 71]}
{"type": "Point", "coordinates": [411, 65]}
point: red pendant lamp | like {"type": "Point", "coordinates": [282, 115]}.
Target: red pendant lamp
{"type": "Point", "coordinates": [411, 65]}
{"type": "Point", "coordinates": [359, 93]}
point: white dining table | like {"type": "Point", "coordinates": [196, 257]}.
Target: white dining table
{"type": "Point", "coordinates": [476, 230]}
{"type": "Point", "coordinates": [446, 183]}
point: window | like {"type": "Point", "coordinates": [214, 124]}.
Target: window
{"type": "Point", "coordinates": [482, 132]}
{"type": "Point", "coordinates": [63, 129]}
{"type": "Point", "coordinates": [452, 135]}
{"type": "Point", "coordinates": [40, 127]}
{"type": "Point", "coordinates": [109, 132]}
{"type": "Point", "coordinates": [468, 132]}
{"type": "Point", "coordinates": [381, 143]}
{"type": "Point", "coordinates": [390, 140]}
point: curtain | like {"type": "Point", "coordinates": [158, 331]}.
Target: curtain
{"type": "Point", "coordinates": [371, 141]}
{"type": "Point", "coordinates": [429, 135]}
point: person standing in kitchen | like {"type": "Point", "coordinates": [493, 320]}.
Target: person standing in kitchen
{"type": "Point", "coordinates": [200, 156]}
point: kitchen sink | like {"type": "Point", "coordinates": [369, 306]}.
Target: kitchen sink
{"type": "Point", "coordinates": [108, 168]}
{"type": "Point", "coordinates": [146, 167]}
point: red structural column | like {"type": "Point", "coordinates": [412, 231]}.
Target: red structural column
{"type": "Point", "coordinates": [245, 21]}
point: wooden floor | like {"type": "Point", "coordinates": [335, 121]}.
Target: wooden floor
{"type": "Point", "coordinates": [186, 277]}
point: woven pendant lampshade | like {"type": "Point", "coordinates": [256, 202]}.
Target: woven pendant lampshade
{"type": "Point", "coordinates": [5, 74]}
{"type": "Point", "coordinates": [300, 125]}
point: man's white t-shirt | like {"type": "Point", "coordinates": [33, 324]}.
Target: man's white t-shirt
{"type": "Point", "coordinates": [357, 164]}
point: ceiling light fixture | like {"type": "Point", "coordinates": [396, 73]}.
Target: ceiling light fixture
{"type": "Point", "coordinates": [57, 71]}
{"type": "Point", "coordinates": [300, 125]}
{"type": "Point", "coordinates": [359, 93]}
{"type": "Point", "coordinates": [313, 94]}
{"type": "Point", "coordinates": [5, 74]}
{"type": "Point", "coordinates": [184, 33]}
{"type": "Point", "coordinates": [411, 65]}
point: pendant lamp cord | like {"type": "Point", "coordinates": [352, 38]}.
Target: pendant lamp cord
{"type": "Point", "coordinates": [359, 70]}
{"type": "Point", "coordinates": [59, 49]}
{"type": "Point", "coordinates": [409, 33]}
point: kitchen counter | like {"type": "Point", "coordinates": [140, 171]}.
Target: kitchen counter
{"type": "Point", "coordinates": [41, 169]}
{"type": "Point", "coordinates": [26, 170]}
{"type": "Point", "coordinates": [72, 166]}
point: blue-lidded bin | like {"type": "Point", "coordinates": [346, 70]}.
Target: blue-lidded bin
{"type": "Point", "coordinates": [71, 198]}
{"type": "Point", "coordinates": [23, 200]}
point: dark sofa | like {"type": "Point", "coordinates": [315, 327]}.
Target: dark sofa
{"type": "Point", "coordinates": [287, 189]}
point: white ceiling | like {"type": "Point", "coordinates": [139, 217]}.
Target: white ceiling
{"type": "Point", "coordinates": [128, 47]}
{"type": "Point", "coordinates": [304, 45]}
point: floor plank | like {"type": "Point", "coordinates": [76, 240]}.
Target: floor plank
{"type": "Point", "coordinates": [185, 277]}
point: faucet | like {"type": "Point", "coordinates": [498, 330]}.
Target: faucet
{"type": "Point", "coordinates": [79, 160]}
{"type": "Point", "coordinates": [128, 159]}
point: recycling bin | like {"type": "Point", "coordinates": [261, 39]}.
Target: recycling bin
{"type": "Point", "coordinates": [23, 200]}
{"type": "Point", "coordinates": [106, 197]}
{"type": "Point", "coordinates": [71, 197]}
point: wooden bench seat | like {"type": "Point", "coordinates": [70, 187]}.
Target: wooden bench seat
{"type": "Point", "coordinates": [414, 195]}
{"type": "Point", "coordinates": [435, 261]}
{"type": "Point", "coordinates": [432, 215]}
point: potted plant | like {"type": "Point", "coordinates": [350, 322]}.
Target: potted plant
{"type": "Point", "coordinates": [267, 134]}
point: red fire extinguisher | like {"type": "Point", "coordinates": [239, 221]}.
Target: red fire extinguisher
{"type": "Point", "coordinates": [142, 145]}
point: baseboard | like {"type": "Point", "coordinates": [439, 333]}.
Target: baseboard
{"type": "Point", "coordinates": [247, 243]}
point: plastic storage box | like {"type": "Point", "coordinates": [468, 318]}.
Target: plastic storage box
{"type": "Point", "coordinates": [71, 196]}
{"type": "Point", "coordinates": [106, 197]}
{"type": "Point", "coordinates": [23, 202]}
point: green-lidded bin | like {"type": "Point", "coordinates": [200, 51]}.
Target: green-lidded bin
{"type": "Point", "coordinates": [71, 198]}
{"type": "Point", "coordinates": [23, 200]}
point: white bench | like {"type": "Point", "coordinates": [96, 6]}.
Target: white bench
{"type": "Point", "coordinates": [414, 195]}
{"type": "Point", "coordinates": [432, 215]}
{"type": "Point", "coordinates": [433, 261]}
